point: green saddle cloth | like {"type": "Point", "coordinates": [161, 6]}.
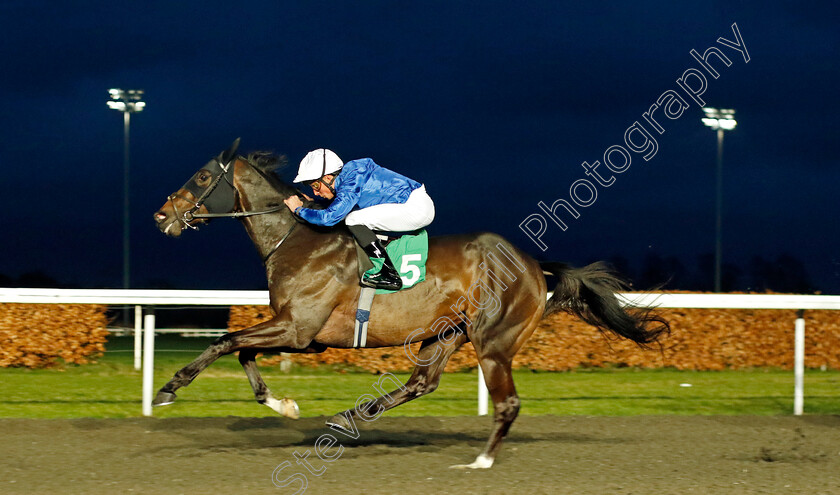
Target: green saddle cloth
{"type": "Point", "coordinates": [409, 254]}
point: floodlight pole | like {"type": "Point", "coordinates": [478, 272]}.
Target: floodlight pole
{"type": "Point", "coordinates": [719, 210]}
{"type": "Point", "coordinates": [127, 102]}
{"type": "Point", "coordinates": [126, 216]}
{"type": "Point", "coordinates": [719, 120]}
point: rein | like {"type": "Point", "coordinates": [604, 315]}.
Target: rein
{"type": "Point", "coordinates": [238, 214]}
{"type": "Point", "coordinates": [277, 246]}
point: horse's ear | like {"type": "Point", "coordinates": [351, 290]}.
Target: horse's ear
{"type": "Point", "coordinates": [228, 155]}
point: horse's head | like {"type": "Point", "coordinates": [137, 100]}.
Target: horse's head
{"type": "Point", "coordinates": [210, 190]}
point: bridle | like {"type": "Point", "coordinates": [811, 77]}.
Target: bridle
{"type": "Point", "coordinates": [219, 167]}
{"type": "Point", "coordinates": [189, 215]}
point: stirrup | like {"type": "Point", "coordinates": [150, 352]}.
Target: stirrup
{"type": "Point", "coordinates": [387, 278]}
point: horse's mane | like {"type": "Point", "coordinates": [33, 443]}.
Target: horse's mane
{"type": "Point", "coordinates": [268, 163]}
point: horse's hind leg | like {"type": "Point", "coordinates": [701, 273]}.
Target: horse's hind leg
{"type": "Point", "coordinates": [285, 407]}
{"type": "Point", "coordinates": [424, 379]}
{"type": "Point", "coordinates": [497, 375]}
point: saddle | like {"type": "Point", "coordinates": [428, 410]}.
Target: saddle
{"type": "Point", "coordinates": [408, 251]}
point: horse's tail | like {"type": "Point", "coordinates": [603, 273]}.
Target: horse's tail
{"type": "Point", "coordinates": [589, 293]}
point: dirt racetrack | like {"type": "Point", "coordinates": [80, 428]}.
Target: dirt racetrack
{"type": "Point", "coordinates": [547, 454]}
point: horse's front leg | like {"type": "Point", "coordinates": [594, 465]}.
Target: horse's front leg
{"type": "Point", "coordinates": [285, 406]}
{"type": "Point", "coordinates": [185, 376]}
{"type": "Point", "coordinates": [272, 334]}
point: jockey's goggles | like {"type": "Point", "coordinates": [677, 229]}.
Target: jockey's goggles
{"type": "Point", "coordinates": [316, 184]}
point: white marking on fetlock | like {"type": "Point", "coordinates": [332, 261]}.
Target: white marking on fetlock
{"type": "Point", "coordinates": [284, 407]}
{"type": "Point", "coordinates": [274, 404]}
{"type": "Point", "coordinates": [481, 462]}
{"type": "Point", "coordinates": [292, 409]}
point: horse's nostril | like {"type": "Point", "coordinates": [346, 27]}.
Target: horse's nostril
{"type": "Point", "coordinates": [160, 216]}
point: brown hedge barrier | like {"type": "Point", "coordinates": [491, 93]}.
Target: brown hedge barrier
{"type": "Point", "coordinates": [37, 335]}
{"type": "Point", "coordinates": [701, 339]}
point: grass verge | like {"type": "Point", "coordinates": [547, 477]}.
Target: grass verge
{"type": "Point", "coordinates": [112, 388]}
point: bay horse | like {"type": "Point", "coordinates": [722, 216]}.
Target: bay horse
{"type": "Point", "coordinates": [479, 288]}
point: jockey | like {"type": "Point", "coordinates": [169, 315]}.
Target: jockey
{"type": "Point", "coordinates": [367, 197]}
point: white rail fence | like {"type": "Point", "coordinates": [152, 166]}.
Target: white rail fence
{"type": "Point", "coordinates": [145, 323]}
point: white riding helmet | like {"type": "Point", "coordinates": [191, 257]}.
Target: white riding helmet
{"type": "Point", "coordinates": [318, 163]}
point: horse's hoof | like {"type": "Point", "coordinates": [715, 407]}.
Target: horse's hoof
{"type": "Point", "coordinates": [339, 421]}
{"type": "Point", "coordinates": [481, 462]}
{"type": "Point", "coordinates": [284, 407]}
{"type": "Point", "coordinates": [164, 398]}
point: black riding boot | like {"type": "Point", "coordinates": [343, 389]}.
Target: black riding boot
{"type": "Point", "coordinates": [387, 278]}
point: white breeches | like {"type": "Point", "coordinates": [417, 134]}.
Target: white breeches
{"type": "Point", "coordinates": [417, 212]}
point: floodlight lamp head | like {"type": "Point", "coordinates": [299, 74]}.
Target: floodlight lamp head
{"type": "Point", "coordinates": [727, 124]}
{"type": "Point", "coordinates": [719, 118]}
{"type": "Point", "coordinates": [713, 123]}
{"type": "Point", "coordinates": [117, 105]}
{"type": "Point", "coordinates": [126, 100]}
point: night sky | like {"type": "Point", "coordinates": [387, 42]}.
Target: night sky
{"type": "Point", "coordinates": [493, 105]}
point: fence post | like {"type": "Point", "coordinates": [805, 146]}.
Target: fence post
{"type": "Point", "coordinates": [799, 363]}
{"type": "Point", "coordinates": [148, 360]}
{"type": "Point", "coordinates": [482, 393]}
{"type": "Point", "coordinates": [138, 328]}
